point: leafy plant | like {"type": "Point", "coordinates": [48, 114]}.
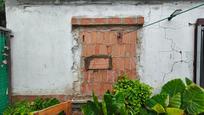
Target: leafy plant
{"type": "Point", "coordinates": [19, 108]}
{"type": "Point", "coordinates": [162, 99]}
{"type": "Point", "coordinates": [112, 104]}
{"type": "Point", "coordinates": [26, 108]}
{"type": "Point", "coordinates": [175, 101]}
{"type": "Point", "coordinates": [193, 99]}
{"type": "Point", "coordinates": [40, 103]}
{"type": "Point", "coordinates": [177, 98]}
{"type": "Point", "coordinates": [135, 93]}
{"type": "Point", "coordinates": [173, 87]}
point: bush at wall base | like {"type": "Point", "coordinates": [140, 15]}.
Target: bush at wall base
{"type": "Point", "coordinates": [128, 97]}
{"type": "Point", "coordinates": [175, 98]}
{"type": "Point", "coordinates": [136, 93]}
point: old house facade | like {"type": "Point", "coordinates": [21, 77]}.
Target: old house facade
{"type": "Point", "coordinates": [69, 48]}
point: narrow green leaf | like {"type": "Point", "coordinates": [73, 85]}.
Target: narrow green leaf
{"type": "Point", "coordinates": [104, 108]}
{"type": "Point", "coordinates": [96, 103]}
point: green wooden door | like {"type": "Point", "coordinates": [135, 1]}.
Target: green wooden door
{"type": "Point", "coordinates": [4, 99]}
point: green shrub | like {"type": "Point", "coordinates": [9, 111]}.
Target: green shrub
{"type": "Point", "coordinates": [19, 108]}
{"type": "Point", "coordinates": [136, 93]}
{"type": "Point", "coordinates": [133, 98]}
{"type": "Point", "coordinates": [26, 108]}
{"type": "Point", "coordinates": [40, 103]}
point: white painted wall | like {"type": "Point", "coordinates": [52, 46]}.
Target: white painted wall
{"type": "Point", "coordinates": [41, 49]}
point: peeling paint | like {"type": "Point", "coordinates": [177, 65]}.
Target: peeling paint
{"type": "Point", "coordinates": [76, 68]}
{"type": "Point", "coordinates": [140, 53]}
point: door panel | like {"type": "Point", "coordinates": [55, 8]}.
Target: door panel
{"type": "Point", "coordinates": [4, 99]}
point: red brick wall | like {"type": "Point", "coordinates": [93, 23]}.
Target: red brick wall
{"type": "Point", "coordinates": [107, 52]}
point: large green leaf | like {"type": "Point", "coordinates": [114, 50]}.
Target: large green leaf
{"type": "Point", "coordinates": [174, 111]}
{"type": "Point", "coordinates": [151, 103]}
{"type": "Point", "coordinates": [193, 99]}
{"type": "Point", "coordinates": [188, 81]}
{"type": "Point", "coordinates": [175, 101]}
{"type": "Point", "coordinates": [162, 99]}
{"type": "Point", "coordinates": [173, 87]}
{"type": "Point", "coordinates": [159, 108]}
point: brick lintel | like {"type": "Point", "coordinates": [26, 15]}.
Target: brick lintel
{"type": "Point", "coordinates": [84, 21]}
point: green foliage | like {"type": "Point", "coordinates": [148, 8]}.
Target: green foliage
{"type": "Point", "coordinates": [158, 108]}
{"type": "Point", "coordinates": [162, 99]}
{"type": "Point", "coordinates": [132, 97]}
{"type": "Point", "coordinates": [40, 103]}
{"type": "Point", "coordinates": [26, 107]}
{"type": "Point", "coordinates": [19, 108]}
{"type": "Point", "coordinates": [188, 98]}
{"type": "Point", "coordinates": [173, 87]}
{"type": "Point", "coordinates": [174, 111]}
{"type": "Point", "coordinates": [193, 99]}
{"type": "Point", "coordinates": [188, 81]}
{"type": "Point", "coordinates": [112, 104]}
{"type": "Point", "coordinates": [175, 101]}
{"type": "Point", "coordinates": [93, 107]}
{"type": "Point", "coordinates": [135, 92]}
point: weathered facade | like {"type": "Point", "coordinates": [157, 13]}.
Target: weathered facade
{"type": "Point", "coordinates": [46, 57]}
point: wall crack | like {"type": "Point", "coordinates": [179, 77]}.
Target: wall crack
{"type": "Point", "coordinates": [174, 49]}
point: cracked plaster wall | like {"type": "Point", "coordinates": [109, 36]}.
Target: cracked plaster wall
{"type": "Point", "coordinates": [43, 47]}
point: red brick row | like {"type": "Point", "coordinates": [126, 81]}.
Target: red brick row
{"type": "Point", "coordinates": [107, 38]}
{"type": "Point", "coordinates": [99, 63]}
{"type": "Point", "coordinates": [114, 50]}
{"type": "Point", "coordinates": [124, 64]}
{"type": "Point", "coordinates": [96, 82]}
{"type": "Point", "coordinates": [98, 88]}
{"type": "Point", "coordinates": [102, 76]}
{"type": "Point", "coordinates": [83, 21]}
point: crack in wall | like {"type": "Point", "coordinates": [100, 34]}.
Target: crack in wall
{"type": "Point", "coordinates": [174, 49]}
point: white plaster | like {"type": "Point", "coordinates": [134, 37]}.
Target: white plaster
{"type": "Point", "coordinates": [42, 58]}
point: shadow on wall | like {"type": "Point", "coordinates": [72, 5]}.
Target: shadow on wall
{"type": "Point", "coordinates": [2, 19]}
{"type": "Point", "coordinates": [2, 14]}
